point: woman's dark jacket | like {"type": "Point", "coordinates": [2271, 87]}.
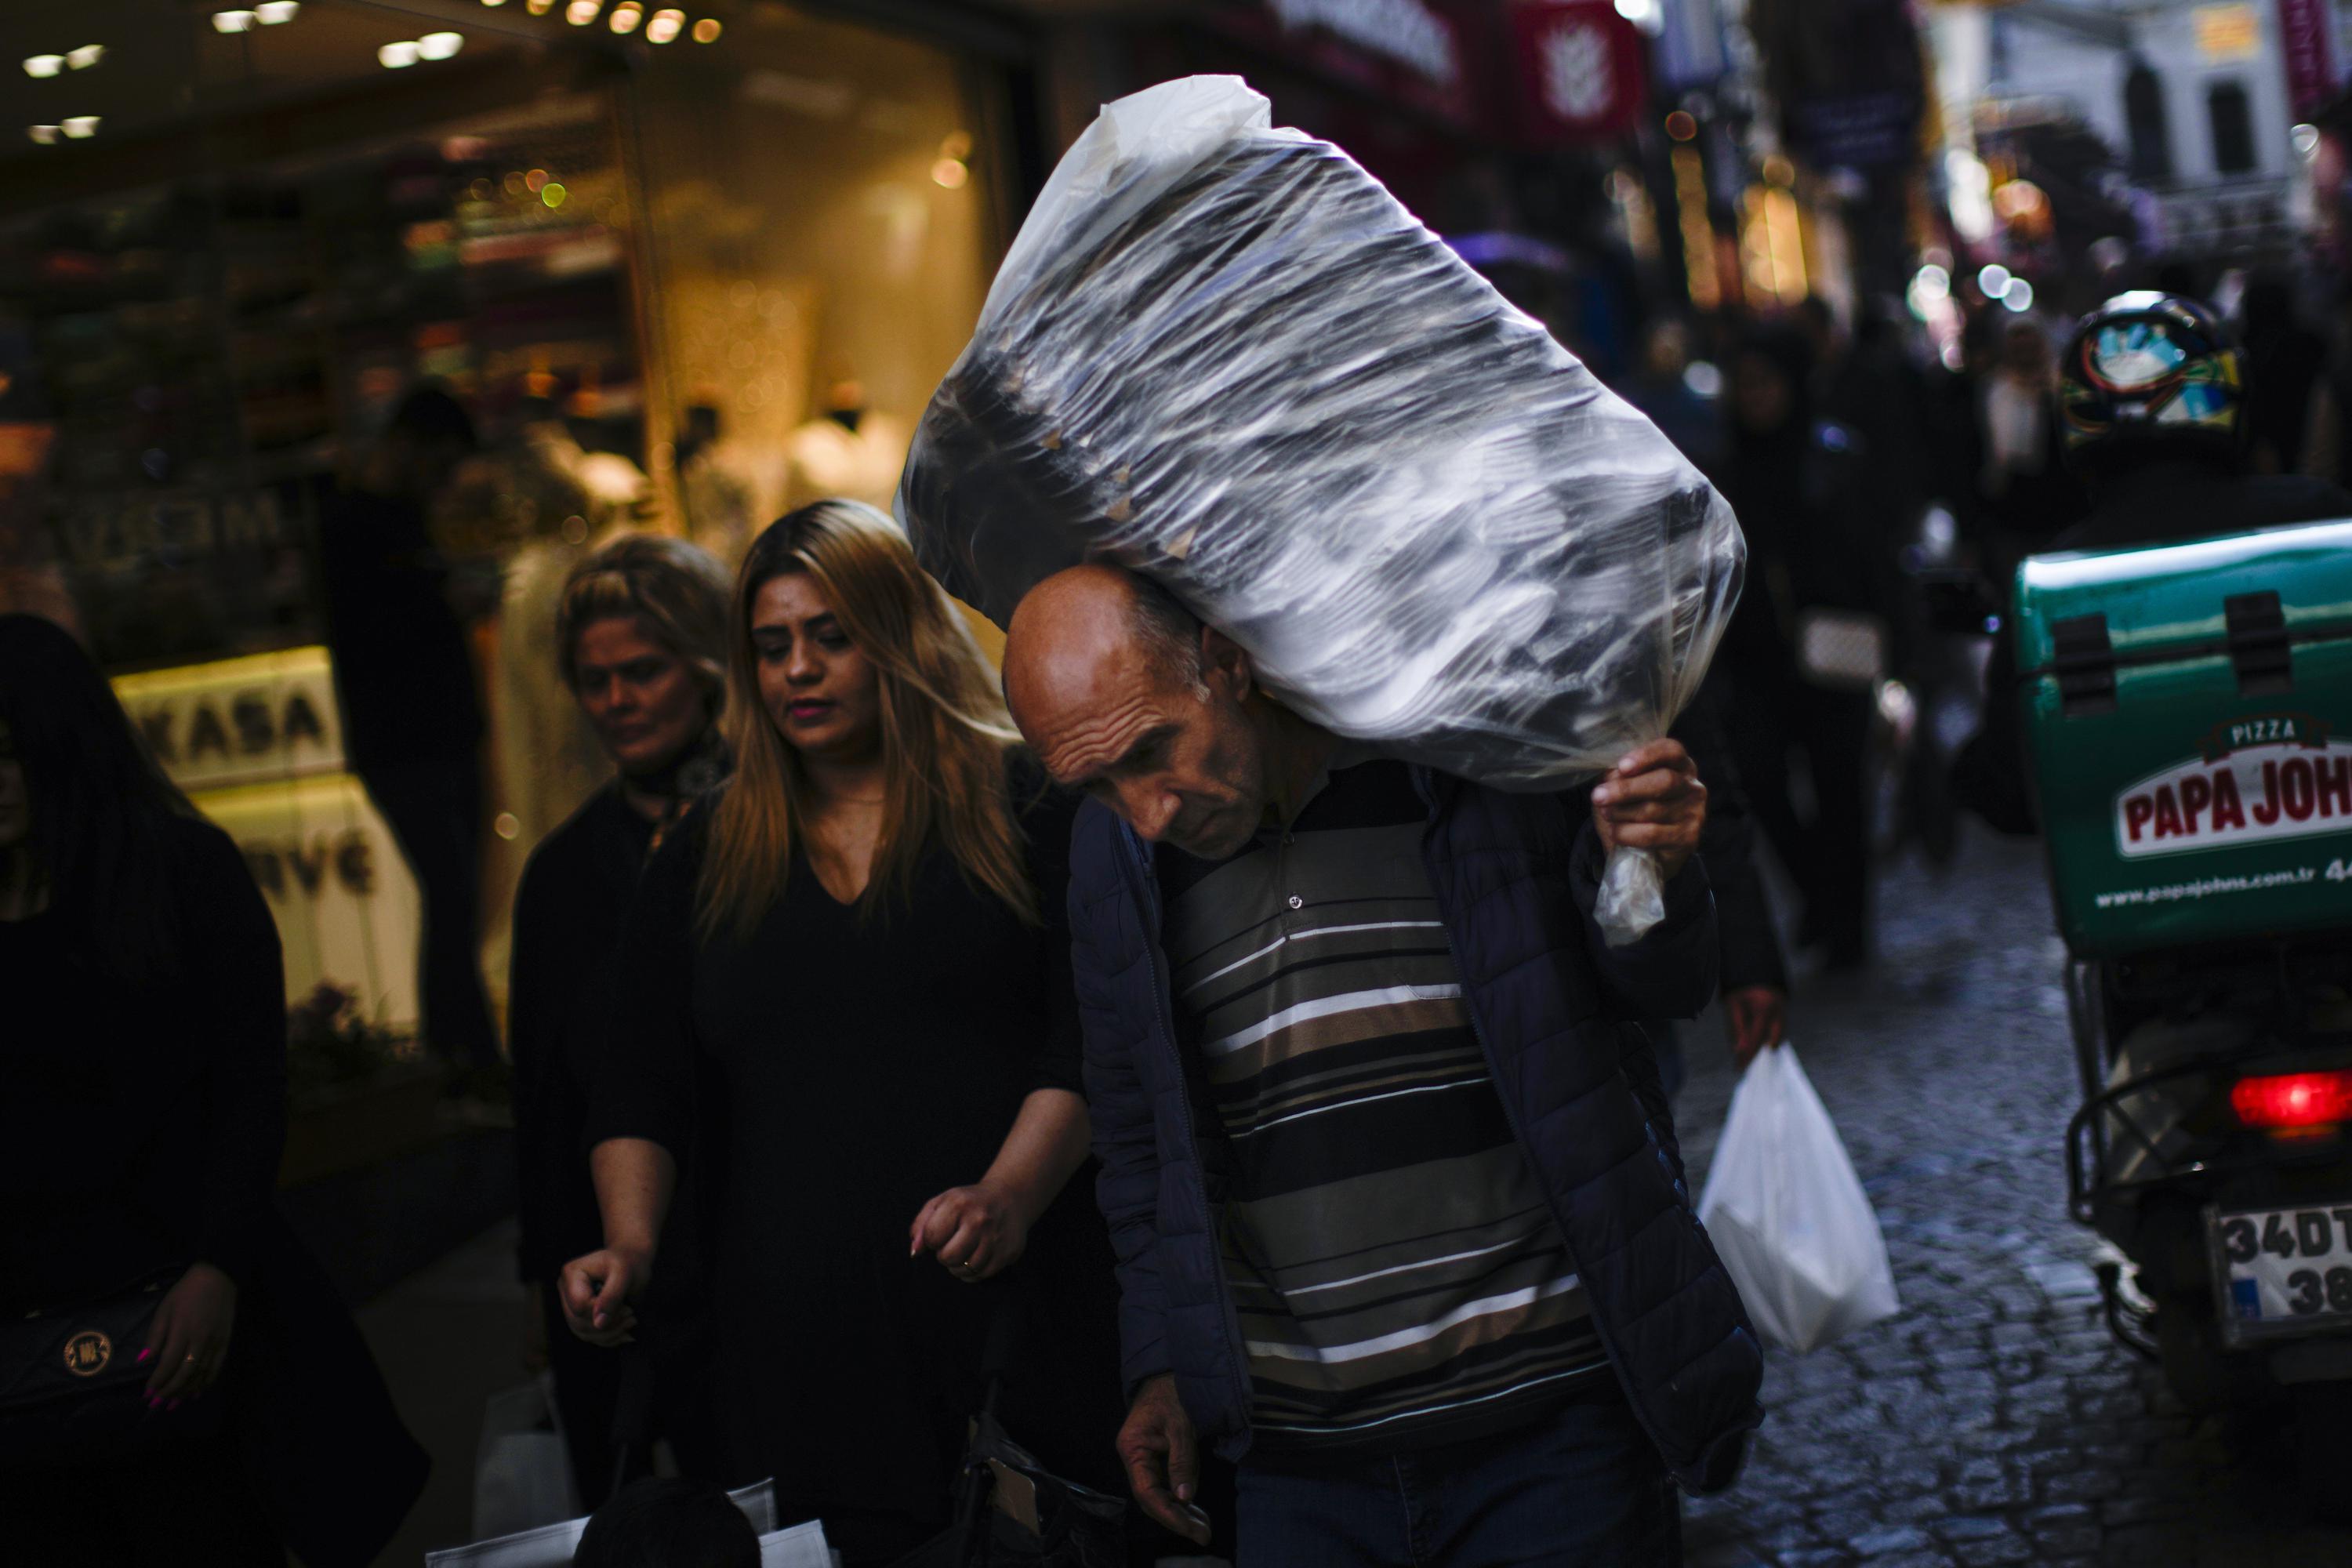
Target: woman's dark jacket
{"type": "Point", "coordinates": [141, 1119]}
{"type": "Point", "coordinates": [569, 911]}
{"type": "Point", "coordinates": [1554, 1008]}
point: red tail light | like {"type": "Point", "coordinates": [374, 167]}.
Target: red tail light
{"type": "Point", "coordinates": [2293, 1100]}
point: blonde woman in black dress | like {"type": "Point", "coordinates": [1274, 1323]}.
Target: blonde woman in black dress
{"type": "Point", "coordinates": [847, 990]}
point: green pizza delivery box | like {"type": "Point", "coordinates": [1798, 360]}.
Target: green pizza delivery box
{"type": "Point", "coordinates": [2188, 712]}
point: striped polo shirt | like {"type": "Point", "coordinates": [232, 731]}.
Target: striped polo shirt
{"type": "Point", "coordinates": [1398, 1274]}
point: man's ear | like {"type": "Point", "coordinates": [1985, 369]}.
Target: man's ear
{"type": "Point", "coordinates": [1225, 663]}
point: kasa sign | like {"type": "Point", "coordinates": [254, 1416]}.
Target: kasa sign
{"type": "Point", "coordinates": [2278, 776]}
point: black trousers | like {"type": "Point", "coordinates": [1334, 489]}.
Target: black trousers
{"type": "Point", "coordinates": [1776, 721]}
{"type": "Point", "coordinates": [434, 807]}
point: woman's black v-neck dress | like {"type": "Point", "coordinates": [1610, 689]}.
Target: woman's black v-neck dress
{"type": "Point", "coordinates": [853, 1070]}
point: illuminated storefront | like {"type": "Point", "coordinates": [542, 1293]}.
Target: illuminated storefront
{"type": "Point", "coordinates": [684, 266]}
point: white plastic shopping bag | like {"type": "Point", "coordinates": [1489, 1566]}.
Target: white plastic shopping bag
{"type": "Point", "coordinates": [1788, 1216]}
{"type": "Point", "coordinates": [551, 1545]}
{"type": "Point", "coordinates": [522, 1469]}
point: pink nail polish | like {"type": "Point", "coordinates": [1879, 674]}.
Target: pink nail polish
{"type": "Point", "coordinates": [146, 1356]}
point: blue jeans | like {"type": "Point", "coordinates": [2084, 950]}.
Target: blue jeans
{"type": "Point", "coordinates": [1583, 1488]}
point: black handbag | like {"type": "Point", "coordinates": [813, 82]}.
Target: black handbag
{"type": "Point", "coordinates": [72, 1390]}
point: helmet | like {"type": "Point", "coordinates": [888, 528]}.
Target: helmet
{"type": "Point", "coordinates": [2149, 371]}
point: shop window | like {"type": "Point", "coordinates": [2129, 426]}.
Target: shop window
{"type": "Point", "coordinates": [2233, 128]}
{"type": "Point", "coordinates": [2151, 141]}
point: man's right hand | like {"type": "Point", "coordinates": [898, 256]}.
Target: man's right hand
{"type": "Point", "coordinates": [599, 1290]}
{"type": "Point", "coordinates": [1163, 1459]}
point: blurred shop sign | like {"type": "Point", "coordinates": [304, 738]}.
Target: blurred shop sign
{"type": "Point", "coordinates": [114, 532]}
{"type": "Point", "coordinates": [257, 743]}
{"type": "Point", "coordinates": [1691, 52]}
{"type": "Point", "coordinates": [2232, 32]}
{"type": "Point", "coordinates": [1405, 31]}
{"type": "Point", "coordinates": [188, 572]}
{"type": "Point", "coordinates": [1857, 131]}
{"type": "Point", "coordinates": [1581, 72]}
{"type": "Point", "coordinates": [267, 716]}
{"type": "Point", "coordinates": [346, 907]}
{"type": "Point", "coordinates": [2308, 40]}
{"type": "Point", "coordinates": [1848, 76]}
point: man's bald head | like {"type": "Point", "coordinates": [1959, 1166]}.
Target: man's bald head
{"type": "Point", "coordinates": [1088, 621]}
{"type": "Point", "coordinates": [1123, 693]}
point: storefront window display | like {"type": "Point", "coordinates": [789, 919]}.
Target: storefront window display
{"type": "Point", "coordinates": [678, 288]}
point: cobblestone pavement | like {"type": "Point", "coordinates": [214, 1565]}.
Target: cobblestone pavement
{"type": "Point", "coordinates": [1992, 1421]}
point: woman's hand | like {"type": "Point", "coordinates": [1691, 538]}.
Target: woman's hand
{"type": "Point", "coordinates": [1653, 800]}
{"type": "Point", "coordinates": [188, 1339]}
{"type": "Point", "coordinates": [599, 1290]}
{"type": "Point", "coordinates": [977, 1231]}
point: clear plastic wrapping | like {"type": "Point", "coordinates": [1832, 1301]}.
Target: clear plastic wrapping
{"type": "Point", "coordinates": [1223, 355]}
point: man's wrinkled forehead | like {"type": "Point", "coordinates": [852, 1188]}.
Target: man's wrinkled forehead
{"type": "Point", "coordinates": [1090, 708]}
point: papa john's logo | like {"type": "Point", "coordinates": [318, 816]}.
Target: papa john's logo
{"type": "Point", "coordinates": [88, 1352]}
{"type": "Point", "coordinates": [2277, 776]}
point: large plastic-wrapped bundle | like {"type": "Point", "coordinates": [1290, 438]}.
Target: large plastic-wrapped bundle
{"type": "Point", "coordinates": [1223, 355]}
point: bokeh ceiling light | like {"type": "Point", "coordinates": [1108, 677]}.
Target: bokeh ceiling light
{"type": "Point", "coordinates": [440, 46]}
{"type": "Point", "coordinates": [81, 126]}
{"type": "Point", "coordinates": [540, 7]}
{"type": "Point", "coordinates": [46, 135]}
{"type": "Point", "coordinates": [580, 13]}
{"type": "Point", "coordinates": [625, 17]}
{"type": "Point", "coordinates": [2018, 296]}
{"type": "Point", "coordinates": [275, 13]}
{"type": "Point", "coordinates": [949, 173]}
{"type": "Point", "coordinates": [398, 57]}
{"type": "Point", "coordinates": [665, 25]}
{"type": "Point", "coordinates": [232, 21]}
{"type": "Point", "coordinates": [88, 54]}
{"type": "Point", "coordinates": [45, 65]}
{"type": "Point", "coordinates": [706, 30]}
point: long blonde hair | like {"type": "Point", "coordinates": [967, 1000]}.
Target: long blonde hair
{"type": "Point", "coordinates": [944, 727]}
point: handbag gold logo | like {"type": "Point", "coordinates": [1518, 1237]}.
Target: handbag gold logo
{"type": "Point", "coordinates": [88, 1352]}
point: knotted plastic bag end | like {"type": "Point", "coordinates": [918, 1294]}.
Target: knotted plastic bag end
{"type": "Point", "coordinates": [1632, 896]}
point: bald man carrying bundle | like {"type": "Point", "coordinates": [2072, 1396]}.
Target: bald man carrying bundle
{"type": "Point", "coordinates": [1399, 1216]}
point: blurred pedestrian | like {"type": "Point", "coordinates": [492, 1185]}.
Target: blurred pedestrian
{"type": "Point", "coordinates": [1866, 383]}
{"type": "Point", "coordinates": [411, 705]}
{"type": "Point", "coordinates": [2285, 361]}
{"type": "Point", "coordinates": [845, 992]}
{"type": "Point", "coordinates": [668, 1523]}
{"type": "Point", "coordinates": [641, 639]}
{"type": "Point", "coordinates": [2025, 494]}
{"type": "Point", "coordinates": [1819, 576]}
{"type": "Point", "coordinates": [1752, 976]}
{"type": "Point", "coordinates": [141, 1116]}
{"type": "Point", "coordinates": [1661, 387]}
{"type": "Point", "coordinates": [1379, 1130]}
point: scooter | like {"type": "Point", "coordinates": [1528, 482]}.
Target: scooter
{"type": "Point", "coordinates": [2188, 714]}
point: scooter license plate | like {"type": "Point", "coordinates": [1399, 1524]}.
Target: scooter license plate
{"type": "Point", "coordinates": [2281, 1271]}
